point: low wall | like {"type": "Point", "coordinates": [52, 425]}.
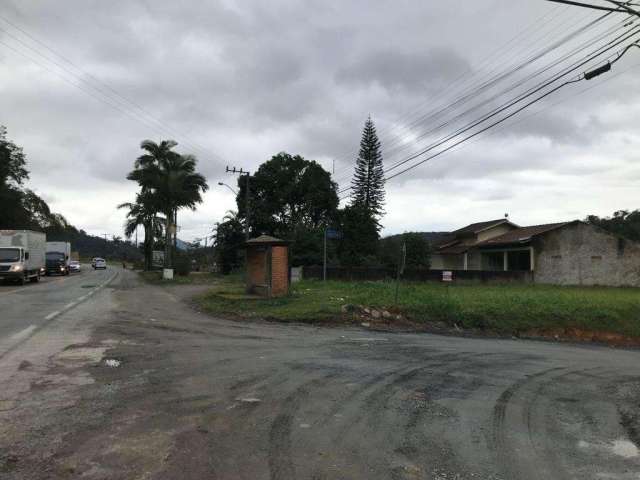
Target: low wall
{"type": "Point", "coordinates": [414, 275]}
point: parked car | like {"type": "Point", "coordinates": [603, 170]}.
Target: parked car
{"type": "Point", "coordinates": [100, 263]}
{"type": "Point", "coordinates": [74, 266]}
{"type": "Point", "coordinates": [21, 255]}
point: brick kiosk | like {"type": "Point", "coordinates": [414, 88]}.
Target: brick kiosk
{"type": "Point", "coordinates": [267, 266]}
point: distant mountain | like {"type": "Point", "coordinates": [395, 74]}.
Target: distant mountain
{"type": "Point", "coordinates": [432, 237]}
{"type": "Point", "coordinates": [92, 246]}
{"type": "Point", "coordinates": [182, 245]}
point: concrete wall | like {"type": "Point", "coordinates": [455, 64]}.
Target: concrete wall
{"type": "Point", "coordinates": [581, 254]}
{"type": "Point", "coordinates": [437, 262]}
{"type": "Point", "coordinates": [474, 261]}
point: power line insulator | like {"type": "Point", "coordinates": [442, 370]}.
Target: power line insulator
{"type": "Point", "coordinates": [598, 71]}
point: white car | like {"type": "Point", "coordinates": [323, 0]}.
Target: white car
{"type": "Point", "coordinates": [74, 266]}
{"type": "Point", "coordinates": [100, 263]}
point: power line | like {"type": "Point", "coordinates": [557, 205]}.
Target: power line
{"type": "Point", "coordinates": [471, 93]}
{"type": "Point", "coordinates": [463, 76]}
{"type": "Point", "coordinates": [119, 99]}
{"type": "Point", "coordinates": [509, 89]}
{"type": "Point", "coordinates": [510, 115]}
{"type": "Point", "coordinates": [531, 91]}
{"type": "Point", "coordinates": [585, 60]}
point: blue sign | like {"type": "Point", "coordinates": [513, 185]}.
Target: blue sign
{"type": "Point", "coordinates": [333, 234]}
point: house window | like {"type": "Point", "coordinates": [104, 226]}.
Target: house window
{"type": "Point", "coordinates": [596, 258]}
{"type": "Point", "coordinates": [519, 260]}
{"type": "Point", "coordinates": [493, 261]}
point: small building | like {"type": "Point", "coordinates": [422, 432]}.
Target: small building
{"type": "Point", "coordinates": [567, 253]}
{"type": "Point", "coordinates": [267, 266]}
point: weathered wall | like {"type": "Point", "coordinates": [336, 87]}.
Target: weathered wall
{"type": "Point", "coordinates": [256, 266]}
{"type": "Point", "coordinates": [279, 271]}
{"type": "Point", "coordinates": [474, 260]}
{"type": "Point", "coordinates": [453, 262]}
{"type": "Point", "coordinates": [437, 262]}
{"type": "Point", "coordinates": [581, 254]}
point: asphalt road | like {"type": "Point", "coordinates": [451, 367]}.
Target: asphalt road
{"type": "Point", "coordinates": [26, 308]}
{"type": "Point", "coordinates": [132, 383]}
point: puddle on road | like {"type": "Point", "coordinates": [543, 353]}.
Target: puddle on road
{"type": "Point", "coordinates": [621, 447]}
{"type": "Point", "coordinates": [625, 449]}
{"type": "Point", "coordinates": [112, 362]}
{"type": "Point", "coordinates": [90, 354]}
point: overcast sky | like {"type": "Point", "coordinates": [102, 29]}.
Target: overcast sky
{"type": "Point", "coordinates": [82, 82]}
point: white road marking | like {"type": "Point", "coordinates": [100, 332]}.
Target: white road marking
{"type": "Point", "coordinates": [51, 315]}
{"type": "Point", "coordinates": [23, 333]}
{"type": "Point", "coordinates": [69, 305]}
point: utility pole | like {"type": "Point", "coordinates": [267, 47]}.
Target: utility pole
{"type": "Point", "coordinates": [246, 175]}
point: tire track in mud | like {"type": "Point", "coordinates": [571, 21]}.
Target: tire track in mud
{"type": "Point", "coordinates": [279, 451]}
{"type": "Point", "coordinates": [505, 453]}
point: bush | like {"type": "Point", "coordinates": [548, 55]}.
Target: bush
{"type": "Point", "coordinates": [182, 265]}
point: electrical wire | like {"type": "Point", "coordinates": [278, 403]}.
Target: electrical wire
{"type": "Point", "coordinates": [120, 102]}
{"type": "Point", "coordinates": [472, 92]}
{"type": "Point", "coordinates": [503, 119]}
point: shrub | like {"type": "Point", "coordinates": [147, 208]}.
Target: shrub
{"type": "Point", "coordinates": [182, 265]}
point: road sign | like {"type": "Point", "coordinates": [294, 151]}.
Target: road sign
{"type": "Point", "coordinates": [447, 276]}
{"type": "Point", "coordinates": [333, 234]}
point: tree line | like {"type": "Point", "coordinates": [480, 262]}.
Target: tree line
{"type": "Point", "coordinates": [22, 209]}
{"type": "Point", "coordinates": [296, 199]}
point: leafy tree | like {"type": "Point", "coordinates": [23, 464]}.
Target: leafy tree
{"type": "Point", "coordinates": [285, 192]}
{"type": "Point", "coordinates": [13, 173]}
{"type": "Point", "coordinates": [291, 198]}
{"type": "Point", "coordinates": [368, 179]}
{"type": "Point", "coordinates": [173, 179]}
{"type": "Point", "coordinates": [144, 212]}
{"type": "Point", "coordinates": [13, 170]}
{"type": "Point", "coordinates": [418, 250]}
{"type": "Point", "coordinates": [623, 223]}
{"type": "Point", "coordinates": [359, 242]}
{"type": "Point", "coordinates": [228, 242]}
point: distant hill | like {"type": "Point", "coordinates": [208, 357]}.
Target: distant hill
{"type": "Point", "coordinates": [92, 246]}
{"type": "Point", "coordinates": [432, 237]}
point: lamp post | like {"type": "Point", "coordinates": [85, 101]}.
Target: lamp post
{"type": "Point", "coordinates": [222, 184]}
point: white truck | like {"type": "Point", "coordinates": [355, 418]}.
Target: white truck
{"type": "Point", "coordinates": [22, 255]}
{"type": "Point", "coordinates": [58, 258]}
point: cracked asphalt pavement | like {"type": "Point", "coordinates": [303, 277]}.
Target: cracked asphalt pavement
{"type": "Point", "coordinates": [134, 383]}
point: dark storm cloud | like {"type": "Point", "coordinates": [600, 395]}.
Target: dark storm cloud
{"type": "Point", "coordinates": [236, 82]}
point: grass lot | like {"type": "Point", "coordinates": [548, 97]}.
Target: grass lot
{"type": "Point", "coordinates": [508, 309]}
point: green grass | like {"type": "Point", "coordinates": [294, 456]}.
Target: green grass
{"type": "Point", "coordinates": [499, 308]}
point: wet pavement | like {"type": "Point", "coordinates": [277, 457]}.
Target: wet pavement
{"type": "Point", "coordinates": [134, 383]}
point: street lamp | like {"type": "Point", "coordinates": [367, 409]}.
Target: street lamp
{"type": "Point", "coordinates": [222, 184]}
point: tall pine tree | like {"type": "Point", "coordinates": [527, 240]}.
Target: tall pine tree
{"type": "Point", "coordinates": [368, 180]}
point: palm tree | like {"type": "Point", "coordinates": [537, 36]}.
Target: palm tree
{"type": "Point", "coordinates": [173, 180]}
{"type": "Point", "coordinates": [144, 212]}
